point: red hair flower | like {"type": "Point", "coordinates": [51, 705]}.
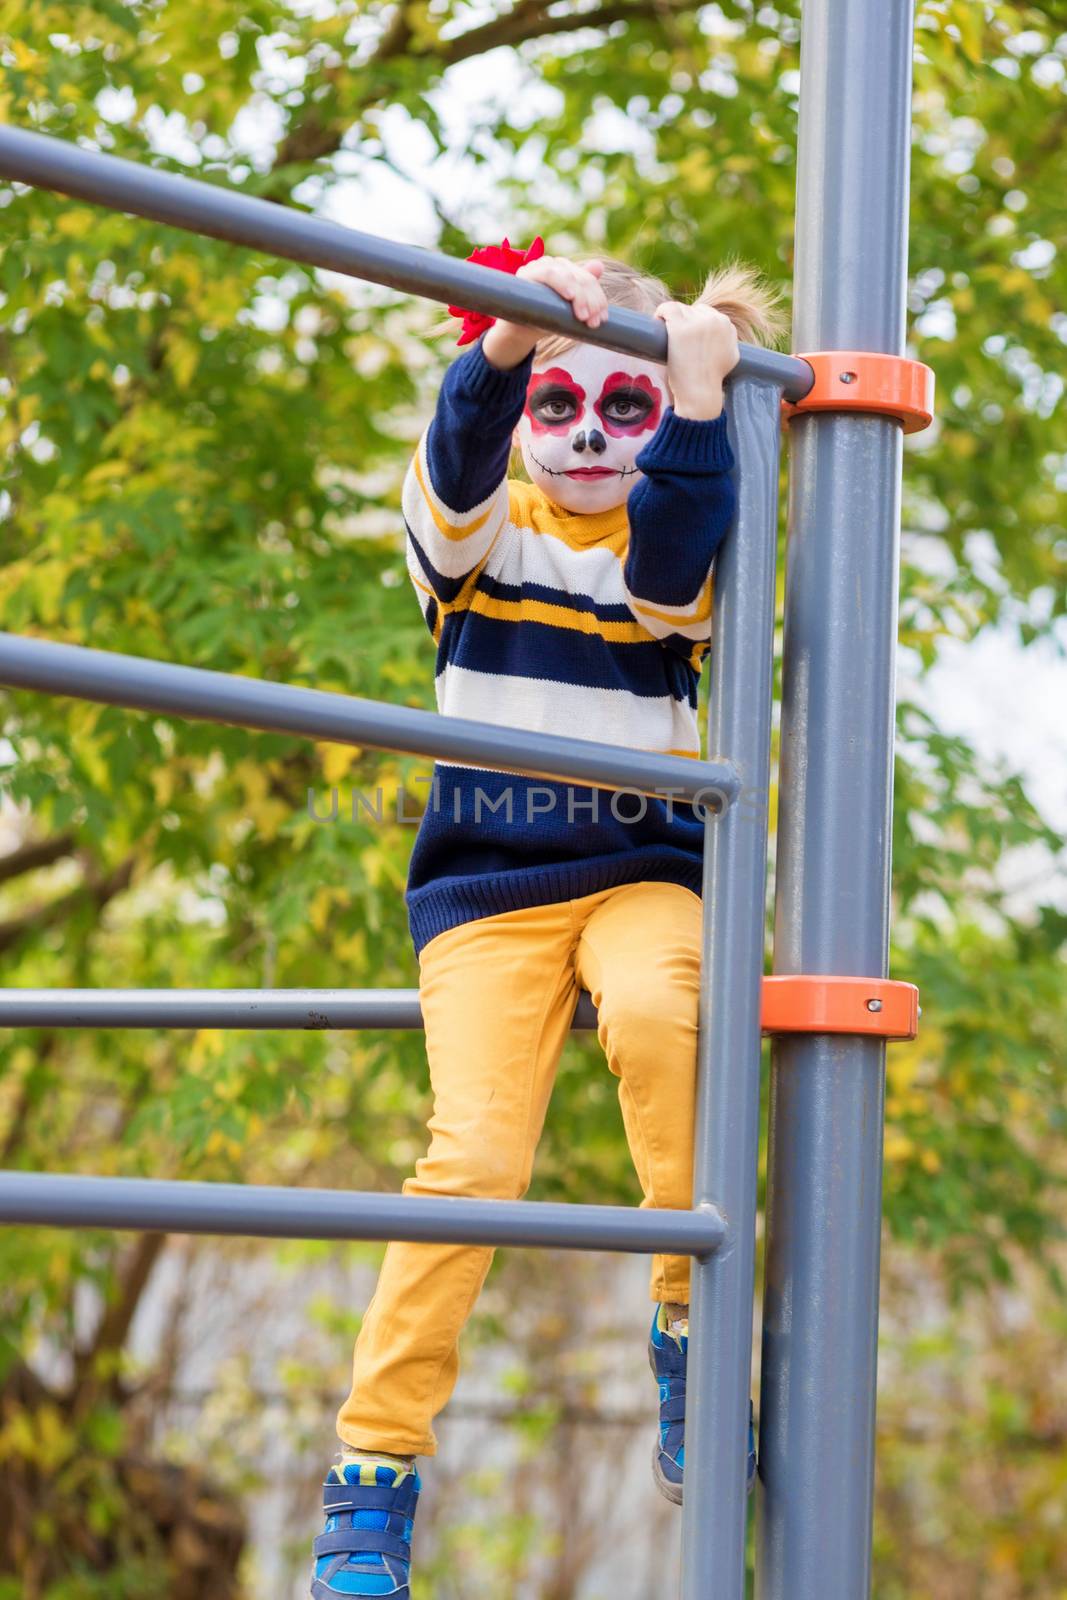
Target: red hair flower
{"type": "Point", "coordinates": [506, 259]}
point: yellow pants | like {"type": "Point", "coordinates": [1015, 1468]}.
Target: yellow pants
{"type": "Point", "coordinates": [498, 996]}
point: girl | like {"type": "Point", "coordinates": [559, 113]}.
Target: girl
{"type": "Point", "coordinates": [577, 602]}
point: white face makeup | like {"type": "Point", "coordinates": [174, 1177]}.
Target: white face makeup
{"type": "Point", "coordinates": [588, 414]}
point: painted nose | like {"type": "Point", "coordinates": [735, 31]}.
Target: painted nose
{"type": "Point", "coordinates": [596, 440]}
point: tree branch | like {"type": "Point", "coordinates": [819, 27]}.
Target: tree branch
{"type": "Point", "coordinates": [37, 853]}
{"type": "Point", "coordinates": [114, 1325]}
{"type": "Point", "coordinates": [27, 1099]}
{"type": "Point", "coordinates": [397, 36]}
{"type": "Point", "coordinates": [97, 889]}
{"type": "Point", "coordinates": [519, 26]}
{"type": "Point", "coordinates": [311, 140]}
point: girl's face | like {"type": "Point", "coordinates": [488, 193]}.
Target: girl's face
{"type": "Point", "coordinates": [587, 415]}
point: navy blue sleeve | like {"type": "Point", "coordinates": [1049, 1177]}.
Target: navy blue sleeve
{"type": "Point", "coordinates": [679, 515]}
{"type": "Point", "coordinates": [455, 494]}
{"type": "Point", "coordinates": [469, 439]}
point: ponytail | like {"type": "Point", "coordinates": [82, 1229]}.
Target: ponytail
{"type": "Point", "coordinates": [742, 293]}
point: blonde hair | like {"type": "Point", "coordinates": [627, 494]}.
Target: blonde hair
{"type": "Point", "coordinates": [737, 289]}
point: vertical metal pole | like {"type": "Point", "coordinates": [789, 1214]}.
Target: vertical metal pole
{"type": "Point", "coordinates": [820, 1329]}
{"type": "Point", "coordinates": [727, 1131]}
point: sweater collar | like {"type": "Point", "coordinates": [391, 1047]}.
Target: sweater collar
{"type": "Point", "coordinates": [585, 527]}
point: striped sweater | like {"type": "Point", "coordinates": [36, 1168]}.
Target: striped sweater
{"type": "Point", "coordinates": [591, 625]}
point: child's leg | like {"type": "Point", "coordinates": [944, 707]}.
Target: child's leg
{"type": "Point", "coordinates": [498, 997]}
{"type": "Point", "coordinates": [639, 956]}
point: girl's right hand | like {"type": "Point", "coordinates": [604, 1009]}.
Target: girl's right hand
{"type": "Point", "coordinates": [506, 344]}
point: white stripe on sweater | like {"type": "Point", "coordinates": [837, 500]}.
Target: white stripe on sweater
{"type": "Point", "coordinates": [440, 531]}
{"type": "Point", "coordinates": [606, 716]}
{"type": "Point", "coordinates": [521, 555]}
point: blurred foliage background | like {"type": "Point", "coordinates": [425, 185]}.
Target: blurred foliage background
{"type": "Point", "coordinates": [201, 454]}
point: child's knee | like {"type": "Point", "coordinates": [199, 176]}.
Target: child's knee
{"type": "Point", "coordinates": [646, 1020]}
{"type": "Point", "coordinates": [478, 1169]}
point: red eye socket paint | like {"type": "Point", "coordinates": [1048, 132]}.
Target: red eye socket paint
{"type": "Point", "coordinates": [644, 421]}
{"type": "Point", "coordinates": [542, 384]}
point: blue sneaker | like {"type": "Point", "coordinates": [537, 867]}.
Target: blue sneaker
{"type": "Point", "coordinates": [667, 1356]}
{"type": "Point", "coordinates": [366, 1546]}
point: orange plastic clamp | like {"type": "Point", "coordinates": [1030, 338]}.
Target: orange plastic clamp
{"type": "Point", "coordinates": [879, 1006]}
{"type": "Point", "coordinates": [859, 380]}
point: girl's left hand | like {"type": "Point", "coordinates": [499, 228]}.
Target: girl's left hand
{"type": "Point", "coordinates": [702, 348]}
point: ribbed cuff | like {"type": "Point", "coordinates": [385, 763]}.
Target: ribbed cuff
{"type": "Point", "coordinates": [488, 385]}
{"type": "Point", "coordinates": [687, 444]}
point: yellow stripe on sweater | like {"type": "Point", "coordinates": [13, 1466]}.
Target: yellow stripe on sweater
{"type": "Point", "coordinates": [558, 616]}
{"type": "Point", "coordinates": [685, 620]}
{"type": "Point", "coordinates": [448, 530]}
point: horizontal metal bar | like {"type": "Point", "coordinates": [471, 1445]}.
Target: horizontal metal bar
{"type": "Point", "coordinates": [194, 692]}
{"type": "Point", "coordinates": [225, 213]}
{"type": "Point", "coordinates": [309, 1009]}
{"type": "Point", "coordinates": [151, 1205]}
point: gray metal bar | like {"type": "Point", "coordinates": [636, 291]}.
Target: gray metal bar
{"type": "Point", "coordinates": [727, 1136]}
{"type": "Point", "coordinates": [224, 213]}
{"type": "Point", "coordinates": [195, 692]}
{"type": "Point", "coordinates": [149, 1205]}
{"type": "Point", "coordinates": [820, 1331]}
{"type": "Point", "coordinates": [225, 1008]}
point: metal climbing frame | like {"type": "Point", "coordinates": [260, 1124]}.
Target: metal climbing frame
{"type": "Point", "coordinates": [829, 1002]}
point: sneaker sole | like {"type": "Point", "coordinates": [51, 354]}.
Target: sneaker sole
{"type": "Point", "coordinates": [320, 1592]}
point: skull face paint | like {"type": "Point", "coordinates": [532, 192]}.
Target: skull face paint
{"type": "Point", "coordinates": [588, 413]}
